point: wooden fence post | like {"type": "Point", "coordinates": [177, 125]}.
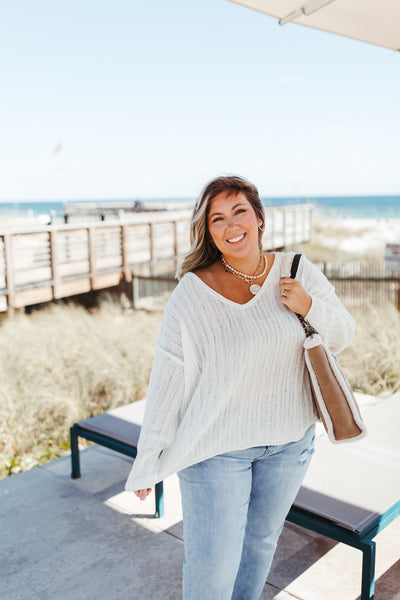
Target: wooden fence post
{"type": "Point", "coordinates": [273, 229]}
{"type": "Point", "coordinates": [175, 228]}
{"type": "Point", "coordinates": [10, 282]}
{"type": "Point", "coordinates": [151, 241]}
{"type": "Point", "coordinates": [92, 256]}
{"type": "Point", "coordinates": [304, 229]}
{"type": "Point", "coordinates": [54, 264]}
{"type": "Point", "coordinates": [125, 255]}
{"type": "Point", "coordinates": [135, 292]}
{"type": "Point", "coordinates": [284, 232]}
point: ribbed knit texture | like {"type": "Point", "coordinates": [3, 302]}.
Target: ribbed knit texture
{"type": "Point", "coordinates": [229, 376]}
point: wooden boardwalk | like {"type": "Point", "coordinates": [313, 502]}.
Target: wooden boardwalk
{"type": "Point", "coordinates": [46, 263]}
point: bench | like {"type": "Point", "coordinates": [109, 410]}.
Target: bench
{"type": "Point", "coordinates": [351, 492]}
{"type": "Point", "coordinates": [119, 430]}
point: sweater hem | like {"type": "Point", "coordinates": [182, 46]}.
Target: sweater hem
{"type": "Point", "coordinates": [258, 442]}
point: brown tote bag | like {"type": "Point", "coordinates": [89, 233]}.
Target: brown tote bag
{"type": "Point", "coordinates": [333, 396]}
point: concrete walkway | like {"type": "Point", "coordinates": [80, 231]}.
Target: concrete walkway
{"type": "Point", "coordinates": [87, 539]}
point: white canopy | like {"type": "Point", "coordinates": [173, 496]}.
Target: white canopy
{"type": "Point", "coordinates": [373, 21]}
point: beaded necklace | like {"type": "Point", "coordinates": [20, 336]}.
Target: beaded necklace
{"type": "Point", "coordinates": [249, 279]}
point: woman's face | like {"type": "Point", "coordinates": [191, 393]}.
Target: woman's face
{"type": "Point", "coordinates": [233, 225]}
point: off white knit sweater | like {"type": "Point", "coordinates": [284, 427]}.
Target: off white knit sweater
{"type": "Point", "coordinates": [228, 376]}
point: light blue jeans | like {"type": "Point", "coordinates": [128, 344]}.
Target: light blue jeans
{"type": "Point", "coordinates": [234, 507]}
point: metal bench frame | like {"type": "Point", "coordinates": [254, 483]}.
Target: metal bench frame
{"type": "Point", "coordinates": [77, 431]}
{"type": "Point", "coordinates": [362, 540]}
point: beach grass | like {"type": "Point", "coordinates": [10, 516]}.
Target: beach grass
{"type": "Point", "coordinates": [372, 362]}
{"type": "Point", "coordinates": [62, 364]}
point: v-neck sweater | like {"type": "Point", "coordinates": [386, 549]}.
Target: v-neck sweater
{"type": "Point", "coordinates": [229, 376]}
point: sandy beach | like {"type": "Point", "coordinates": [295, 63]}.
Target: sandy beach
{"type": "Point", "coordinates": [364, 238]}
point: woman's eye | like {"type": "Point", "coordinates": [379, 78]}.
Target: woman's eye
{"type": "Point", "coordinates": [237, 212]}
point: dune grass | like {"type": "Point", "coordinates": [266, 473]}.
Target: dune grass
{"type": "Point", "coordinates": [63, 364]}
{"type": "Point", "coordinates": [372, 362]}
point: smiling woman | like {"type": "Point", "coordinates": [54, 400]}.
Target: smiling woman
{"type": "Point", "coordinates": [229, 406]}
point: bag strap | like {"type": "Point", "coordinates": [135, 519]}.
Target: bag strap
{"type": "Point", "coordinates": [309, 329]}
{"type": "Point", "coordinates": [295, 265]}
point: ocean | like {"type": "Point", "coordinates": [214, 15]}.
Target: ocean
{"type": "Point", "coordinates": [356, 207]}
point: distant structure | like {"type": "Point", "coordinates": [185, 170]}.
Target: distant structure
{"type": "Point", "coordinates": [102, 211]}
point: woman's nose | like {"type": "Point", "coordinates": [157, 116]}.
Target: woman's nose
{"type": "Point", "coordinates": [231, 220]}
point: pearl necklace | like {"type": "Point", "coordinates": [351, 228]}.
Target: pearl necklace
{"type": "Point", "coordinates": [249, 279]}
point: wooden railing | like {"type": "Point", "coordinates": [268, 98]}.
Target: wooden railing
{"type": "Point", "coordinates": [42, 264]}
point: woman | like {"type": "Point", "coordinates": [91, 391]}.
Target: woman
{"type": "Point", "coordinates": [229, 404]}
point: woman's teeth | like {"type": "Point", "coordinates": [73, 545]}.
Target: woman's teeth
{"type": "Point", "coordinates": [236, 239]}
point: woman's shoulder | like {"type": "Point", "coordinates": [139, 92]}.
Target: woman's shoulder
{"type": "Point", "coordinates": [305, 267]}
{"type": "Point", "coordinates": [284, 262]}
{"type": "Point", "coordinates": [188, 285]}
{"type": "Point", "coordinates": [209, 275]}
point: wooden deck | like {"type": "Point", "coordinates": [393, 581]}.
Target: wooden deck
{"type": "Point", "coordinates": [46, 263]}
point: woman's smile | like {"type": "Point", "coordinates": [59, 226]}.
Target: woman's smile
{"type": "Point", "coordinates": [237, 239]}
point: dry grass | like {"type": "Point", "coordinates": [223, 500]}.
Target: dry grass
{"type": "Point", "coordinates": [372, 362]}
{"type": "Point", "coordinates": [63, 364]}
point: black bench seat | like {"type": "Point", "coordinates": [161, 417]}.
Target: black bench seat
{"type": "Point", "coordinates": [117, 429]}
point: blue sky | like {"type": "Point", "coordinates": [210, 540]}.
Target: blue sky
{"type": "Point", "coordinates": [129, 99]}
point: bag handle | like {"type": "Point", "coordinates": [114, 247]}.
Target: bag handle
{"type": "Point", "coordinates": [309, 329]}
{"type": "Point", "coordinates": [295, 265]}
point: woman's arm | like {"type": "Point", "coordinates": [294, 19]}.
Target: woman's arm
{"type": "Point", "coordinates": [164, 398]}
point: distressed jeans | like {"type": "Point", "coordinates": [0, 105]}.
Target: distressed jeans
{"type": "Point", "coordinates": [234, 507]}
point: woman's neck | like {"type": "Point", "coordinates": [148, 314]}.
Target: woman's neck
{"type": "Point", "coordinates": [248, 264]}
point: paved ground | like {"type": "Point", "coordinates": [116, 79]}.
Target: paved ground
{"type": "Point", "coordinates": [87, 539]}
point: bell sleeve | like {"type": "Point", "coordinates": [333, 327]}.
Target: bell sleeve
{"type": "Point", "coordinates": [164, 398]}
{"type": "Point", "coordinates": [327, 314]}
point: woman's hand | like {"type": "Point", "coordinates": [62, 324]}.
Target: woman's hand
{"type": "Point", "coordinates": [142, 494]}
{"type": "Point", "coordinates": [294, 296]}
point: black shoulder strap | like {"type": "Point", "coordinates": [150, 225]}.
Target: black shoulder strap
{"type": "Point", "coordinates": [295, 264]}
{"type": "Point", "coordinates": [309, 330]}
